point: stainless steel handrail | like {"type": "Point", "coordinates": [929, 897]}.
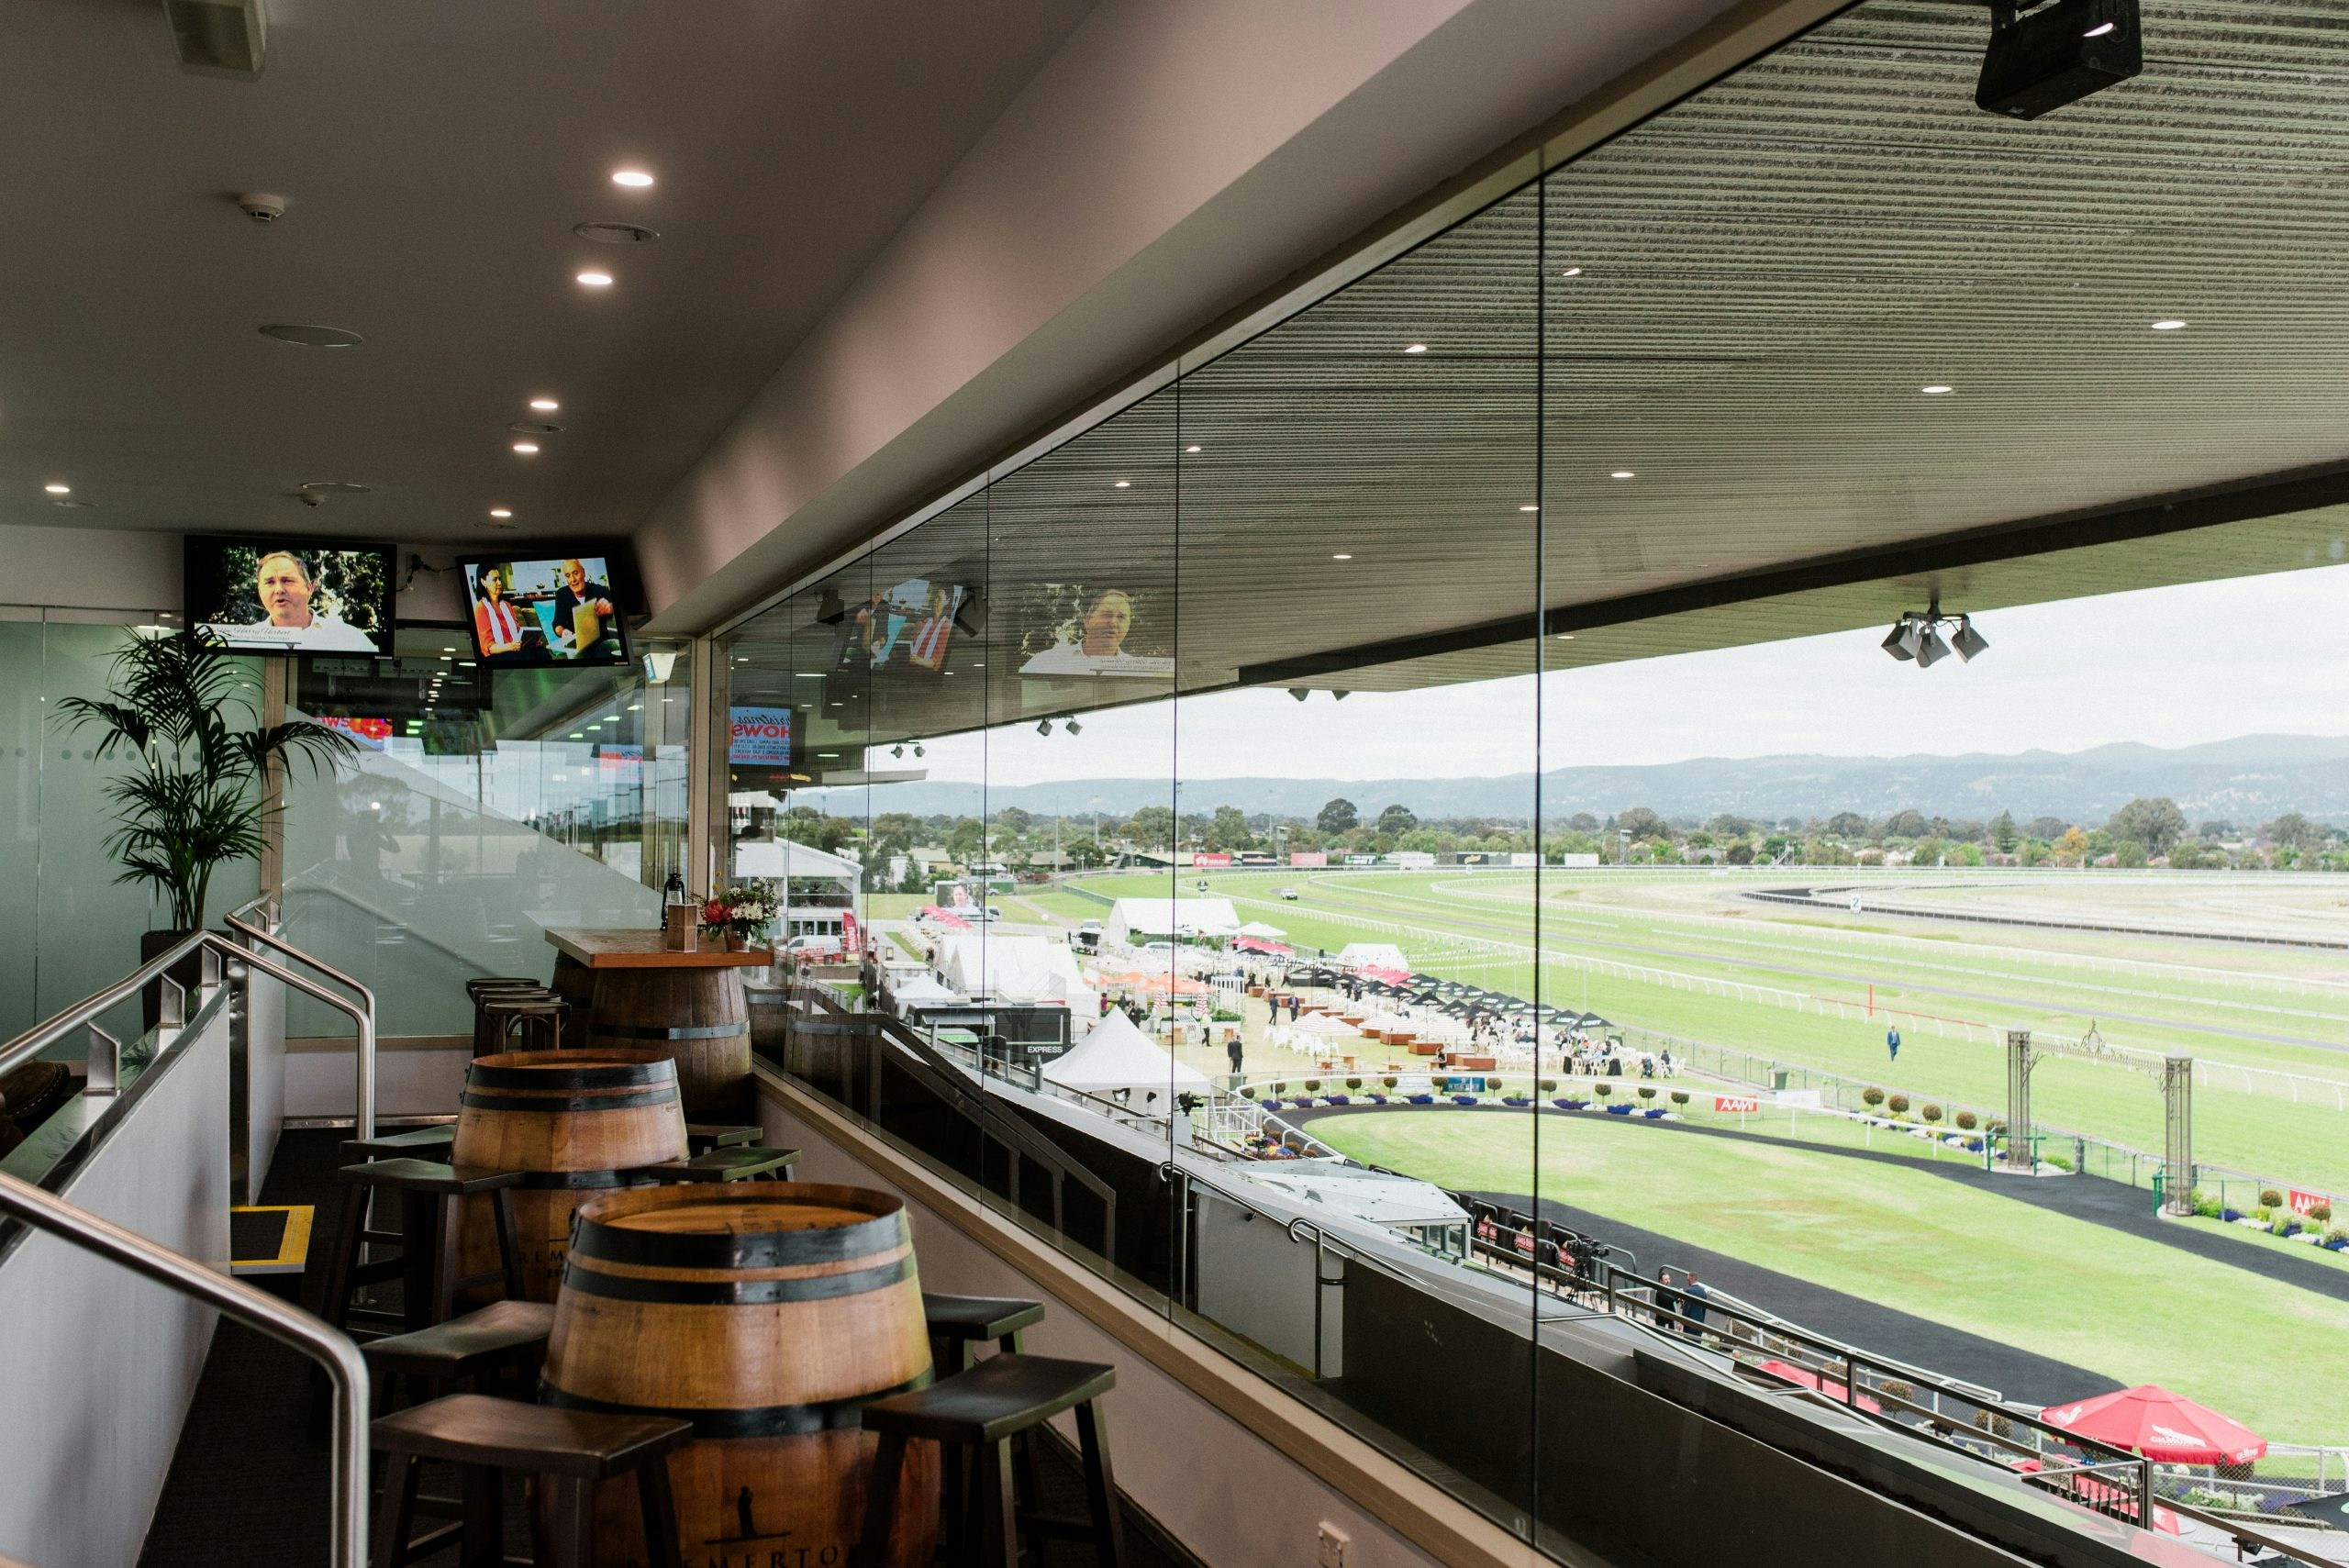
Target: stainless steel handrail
{"type": "Point", "coordinates": [83, 1015]}
{"type": "Point", "coordinates": [345, 1368]}
{"type": "Point", "coordinates": [363, 1104]}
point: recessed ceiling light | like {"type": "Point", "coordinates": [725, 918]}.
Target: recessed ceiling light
{"type": "Point", "coordinates": [1194, 448]}
{"type": "Point", "coordinates": [59, 489]}
{"type": "Point", "coordinates": [309, 337]}
{"type": "Point", "coordinates": [545, 405]}
{"type": "Point", "coordinates": [2099, 29]}
{"type": "Point", "coordinates": [1622, 473]}
{"type": "Point", "coordinates": [526, 448]}
{"type": "Point", "coordinates": [1125, 484]}
{"type": "Point", "coordinates": [501, 511]}
{"type": "Point", "coordinates": [596, 280]}
{"type": "Point", "coordinates": [634, 179]}
{"type": "Point", "coordinates": [1565, 636]}
{"type": "Point", "coordinates": [1528, 509]}
{"type": "Point", "coordinates": [1341, 558]}
{"type": "Point", "coordinates": [2169, 323]}
{"type": "Point", "coordinates": [1417, 349]}
{"type": "Point", "coordinates": [576, 736]}
{"type": "Point", "coordinates": [1936, 389]}
{"type": "Point", "coordinates": [1571, 272]}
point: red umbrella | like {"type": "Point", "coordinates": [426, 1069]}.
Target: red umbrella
{"type": "Point", "coordinates": [2160, 1424]}
{"type": "Point", "coordinates": [1386, 972]}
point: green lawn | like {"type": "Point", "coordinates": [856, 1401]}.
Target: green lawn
{"type": "Point", "coordinates": [2305, 1144]}
{"type": "Point", "coordinates": [1916, 1242]}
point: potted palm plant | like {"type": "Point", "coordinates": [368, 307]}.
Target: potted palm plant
{"type": "Point", "coordinates": [204, 794]}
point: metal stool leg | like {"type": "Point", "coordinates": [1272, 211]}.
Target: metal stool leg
{"type": "Point", "coordinates": [1100, 1487]}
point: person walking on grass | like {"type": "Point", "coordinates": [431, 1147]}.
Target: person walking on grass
{"type": "Point", "coordinates": [1233, 1049]}
{"type": "Point", "coordinates": [1892, 1042]}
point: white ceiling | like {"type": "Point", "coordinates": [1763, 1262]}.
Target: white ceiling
{"type": "Point", "coordinates": [434, 155]}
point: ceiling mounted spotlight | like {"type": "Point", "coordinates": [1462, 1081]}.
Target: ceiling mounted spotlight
{"type": "Point", "coordinates": [920, 752]}
{"type": "Point", "coordinates": [830, 610]}
{"type": "Point", "coordinates": [596, 280]}
{"type": "Point", "coordinates": [2057, 54]}
{"type": "Point", "coordinates": [1044, 726]}
{"type": "Point", "coordinates": [1072, 725]}
{"type": "Point", "coordinates": [1300, 693]}
{"type": "Point", "coordinates": [897, 751]}
{"type": "Point", "coordinates": [1916, 637]}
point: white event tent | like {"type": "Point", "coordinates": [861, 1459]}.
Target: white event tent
{"type": "Point", "coordinates": [1373, 956]}
{"type": "Point", "coordinates": [985, 967]}
{"type": "Point", "coordinates": [1117, 1056]}
{"type": "Point", "coordinates": [1164, 919]}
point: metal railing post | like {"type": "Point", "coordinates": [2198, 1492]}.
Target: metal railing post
{"type": "Point", "coordinates": [105, 1062]}
{"type": "Point", "coordinates": [289, 1325]}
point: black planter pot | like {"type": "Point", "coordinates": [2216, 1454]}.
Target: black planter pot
{"type": "Point", "coordinates": [187, 972]}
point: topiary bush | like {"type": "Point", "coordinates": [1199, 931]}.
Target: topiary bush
{"type": "Point", "coordinates": [1932, 1112]}
{"type": "Point", "coordinates": [1602, 1090]}
{"type": "Point", "coordinates": [1389, 1082]}
{"type": "Point", "coordinates": [2270, 1199]}
{"type": "Point", "coordinates": [2321, 1212]}
{"type": "Point", "coordinates": [1549, 1085]}
{"type": "Point", "coordinates": [1966, 1121]}
{"type": "Point", "coordinates": [1872, 1096]}
{"type": "Point", "coordinates": [1679, 1096]}
{"type": "Point", "coordinates": [1646, 1093]}
{"type": "Point", "coordinates": [1900, 1104]}
{"type": "Point", "coordinates": [1248, 1091]}
{"type": "Point", "coordinates": [1280, 1086]}
{"type": "Point", "coordinates": [1354, 1082]}
{"type": "Point", "coordinates": [1313, 1086]}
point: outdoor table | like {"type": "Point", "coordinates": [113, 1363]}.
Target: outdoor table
{"type": "Point", "coordinates": [688, 1006]}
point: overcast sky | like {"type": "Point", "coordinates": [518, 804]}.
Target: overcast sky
{"type": "Point", "coordinates": [2165, 666]}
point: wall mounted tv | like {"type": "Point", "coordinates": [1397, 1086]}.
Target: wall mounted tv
{"type": "Point", "coordinates": [545, 611]}
{"type": "Point", "coordinates": [289, 595]}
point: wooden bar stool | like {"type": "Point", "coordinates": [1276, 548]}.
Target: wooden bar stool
{"type": "Point", "coordinates": [538, 1018]}
{"type": "Point", "coordinates": [743, 1163]}
{"type": "Point", "coordinates": [423, 1142]}
{"type": "Point", "coordinates": [701, 1137]}
{"type": "Point", "coordinates": [981, 1413]}
{"type": "Point", "coordinates": [568, 1450]}
{"type": "Point", "coordinates": [431, 1207]}
{"type": "Point", "coordinates": [959, 1324]}
{"type": "Point", "coordinates": [469, 1352]}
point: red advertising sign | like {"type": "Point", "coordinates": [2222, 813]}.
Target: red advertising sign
{"type": "Point", "coordinates": [1310, 860]}
{"type": "Point", "coordinates": [1736, 1103]}
{"type": "Point", "coordinates": [1205, 862]}
{"type": "Point", "coordinates": [848, 934]}
{"type": "Point", "coordinates": [2303, 1202]}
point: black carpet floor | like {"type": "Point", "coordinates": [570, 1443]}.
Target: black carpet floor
{"type": "Point", "coordinates": [248, 1485]}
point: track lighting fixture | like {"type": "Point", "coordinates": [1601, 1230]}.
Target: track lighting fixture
{"type": "Point", "coordinates": [1044, 726]}
{"type": "Point", "coordinates": [1072, 725]}
{"type": "Point", "coordinates": [1916, 637]}
{"type": "Point", "coordinates": [897, 751]}
{"type": "Point", "coordinates": [1299, 692]}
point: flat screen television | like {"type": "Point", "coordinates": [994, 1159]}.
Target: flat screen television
{"type": "Point", "coordinates": [544, 611]}
{"type": "Point", "coordinates": [289, 595]}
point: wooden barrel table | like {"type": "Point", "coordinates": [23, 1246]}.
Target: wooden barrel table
{"type": "Point", "coordinates": [576, 1121]}
{"type": "Point", "coordinates": [695, 1016]}
{"type": "Point", "coordinates": [767, 1317]}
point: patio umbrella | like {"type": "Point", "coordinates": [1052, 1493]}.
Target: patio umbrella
{"type": "Point", "coordinates": [1323, 1024]}
{"type": "Point", "coordinates": [2169, 1428]}
{"type": "Point", "coordinates": [2331, 1508]}
{"type": "Point", "coordinates": [1388, 975]}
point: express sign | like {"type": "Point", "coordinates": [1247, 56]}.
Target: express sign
{"type": "Point", "coordinates": [761, 735]}
{"type": "Point", "coordinates": [1735, 1102]}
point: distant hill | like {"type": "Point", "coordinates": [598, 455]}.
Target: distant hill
{"type": "Point", "coordinates": [2245, 781]}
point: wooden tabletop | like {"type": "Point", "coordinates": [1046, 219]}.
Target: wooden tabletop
{"type": "Point", "coordinates": [643, 949]}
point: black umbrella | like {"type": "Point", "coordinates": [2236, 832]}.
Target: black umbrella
{"type": "Point", "coordinates": [2331, 1508]}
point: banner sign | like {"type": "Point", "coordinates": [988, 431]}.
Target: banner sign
{"type": "Point", "coordinates": [368, 732]}
{"type": "Point", "coordinates": [2303, 1202]}
{"type": "Point", "coordinates": [849, 941]}
{"type": "Point", "coordinates": [761, 735]}
{"type": "Point", "coordinates": [1203, 861]}
{"type": "Point", "coordinates": [1310, 860]}
{"type": "Point", "coordinates": [1736, 1103]}
{"type": "Point", "coordinates": [622, 764]}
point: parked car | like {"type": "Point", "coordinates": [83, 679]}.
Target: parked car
{"type": "Point", "coordinates": [1289, 893]}
{"type": "Point", "coordinates": [989, 914]}
{"type": "Point", "coordinates": [813, 946]}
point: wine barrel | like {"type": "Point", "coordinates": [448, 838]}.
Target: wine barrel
{"type": "Point", "coordinates": [765, 1316]}
{"type": "Point", "coordinates": [576, 1121]}
{"type": "Point", "coordinates": [576, 983]}
{"type": "Point", "coordinates": [694, 1016]}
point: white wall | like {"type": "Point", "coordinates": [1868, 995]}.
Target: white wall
{"type": "Point", "coordinates": [98, 1364]}
{"type": "Point", "coordinates": [126, 569]}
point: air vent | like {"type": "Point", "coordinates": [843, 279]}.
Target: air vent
{"type": "Point", "coordinates": [615, 233]}
{"type": "Point", "coordinates": [533, 427]}
{"type": "Point", "coordinates": [217, 38]}
{"type": "Point", "coordinates": [312, 336]}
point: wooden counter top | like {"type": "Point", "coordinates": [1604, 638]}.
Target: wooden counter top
{"type": "Point", "coordinates": [643, 949]}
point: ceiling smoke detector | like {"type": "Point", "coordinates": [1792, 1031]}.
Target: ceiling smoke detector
{"type": "Point", "coordinates": [534, 428]}
{"type": "Point", "coordinates": [311, 337]}
{"type": "Point", "coordinates": [314, 492]}
{"type": "Point", "coordinates": [615, 233]}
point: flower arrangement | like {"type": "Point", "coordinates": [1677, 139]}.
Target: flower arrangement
{"type": "Point", "coordinates": [742, 912]}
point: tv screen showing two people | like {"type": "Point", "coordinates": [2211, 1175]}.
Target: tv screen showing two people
{"type": "Point", "coordinates": [274, 595]}
{"type": "Point", "coordinates": [545, 612]}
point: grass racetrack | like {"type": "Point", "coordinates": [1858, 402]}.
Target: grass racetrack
{"type": "Point", "coordinates": [1958, 1253]}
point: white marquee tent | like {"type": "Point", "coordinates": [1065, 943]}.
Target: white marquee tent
{"type": "Point", "coordinates": [984, 966]}
{"type": "Point", "coordinates": [1162, 919]}
{"type": "Point", "coordinates": [1373, 956]}
{"type": "Point", "coordinates": [1117, 1056]}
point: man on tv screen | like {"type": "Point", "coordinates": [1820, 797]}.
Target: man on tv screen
{"type": "Point", "coordinates": [583, 614]}
{"type": "Point", "coordinates": [291, 612]}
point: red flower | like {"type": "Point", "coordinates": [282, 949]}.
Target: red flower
{"type": "Point", "coordinates": [713, 913]}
